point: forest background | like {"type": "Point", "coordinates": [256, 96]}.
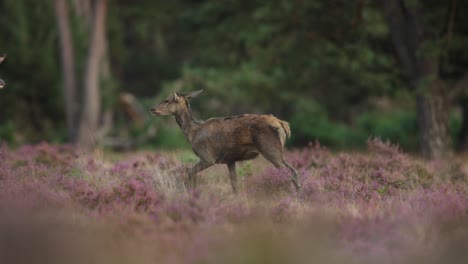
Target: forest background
{"type": "Point", "coordinates": [339, 71]}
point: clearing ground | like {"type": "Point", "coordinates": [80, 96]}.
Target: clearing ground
{"type": "Point", "coordinates": [381, 206]}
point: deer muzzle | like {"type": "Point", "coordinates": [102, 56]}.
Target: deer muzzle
{"type": "Point", "coordinates": [154, 111]}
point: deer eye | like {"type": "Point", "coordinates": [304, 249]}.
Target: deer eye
{"type": "Point", "coordinates": [166, 101]}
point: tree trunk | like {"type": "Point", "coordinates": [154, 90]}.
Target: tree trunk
{"type": "Point", "coordinates": [408, 36]}
{"type": "Point", "coordinates": [432, 105]}
{"type": "Point", "coordinates": [433, 123]}
{"type": "Point", "coordinates": [91, 108]}
{"type": "Point", "coordinates": [459, 94]}
{"type": "Point", "coordinates": [463, 135]}
{"type": "Point", "coordinates": [432, 102]}
{"type": "Point", "coordinates": [68, 66]}
{"type": "Point", "coordinates": [2, 82]}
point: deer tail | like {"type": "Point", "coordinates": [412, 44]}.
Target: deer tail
{"type": "Point", "coordinates": [286, 128]}
{"type": "Point", "coordinates": [280, 126]}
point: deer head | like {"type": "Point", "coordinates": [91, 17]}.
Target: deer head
{"type": "Point", "coordinates": [173, 104]}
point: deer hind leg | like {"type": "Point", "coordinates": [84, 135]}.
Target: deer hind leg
{"type": "Point", "coordinates": [201, 165]}
{"type": "Point", "coordinates": [274, 153]}
{"type": "Point", "coordinates": [233, 176]}
{"type": "Point", "coordinates": [294, 177]}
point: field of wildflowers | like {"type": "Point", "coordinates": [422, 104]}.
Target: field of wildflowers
{"type": "Point", "coordinates": [58, 205]}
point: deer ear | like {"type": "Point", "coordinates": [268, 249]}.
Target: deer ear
{"type": "Point", "coordinates": [193, 94]}
{"type": "Point", "coordinates": [176, 96]}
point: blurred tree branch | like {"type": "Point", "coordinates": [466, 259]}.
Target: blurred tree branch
{"type": "Point", "coordinates": [89, 123]}
{"type": "Point", "coordinates": [68, 66]}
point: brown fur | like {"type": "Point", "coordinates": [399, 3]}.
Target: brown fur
{"type": "Point", "coordinates": [227, 140]}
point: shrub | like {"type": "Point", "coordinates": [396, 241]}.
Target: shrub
{"type": "Point", "coordinates": [270, 181]}
{"type": "Point", "coordinates": [310, 122]}
{"type": "Point", "coordinates": [396, 126]}
{"type": "Point", "coordinates": [170, 137]}
{"type": "Point", "coordinates": [381, 206]}
{"type": "Point", "coordinates": [7, 132]}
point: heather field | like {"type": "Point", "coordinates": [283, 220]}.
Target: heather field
{"type": "Point", "coordinates": [58, 205]}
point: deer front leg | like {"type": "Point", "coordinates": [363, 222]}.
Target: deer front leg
{"type": "Point", "coordinates": [233, 176]}
{"type": "Point", "coordinates": [201, 165]}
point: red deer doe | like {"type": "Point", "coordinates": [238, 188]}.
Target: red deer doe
{"type": "Point", "coordinates": [227, 140]}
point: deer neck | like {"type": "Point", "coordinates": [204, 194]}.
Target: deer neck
{"type": "Point", "coordinates": [186, 122]}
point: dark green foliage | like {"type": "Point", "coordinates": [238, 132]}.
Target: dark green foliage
{"type": "Point", "coordinates": [32, 99]}
{"type": "Point", "coordinates": [396, 126]}
{"type": "Point", "coordinates": [312, 123]}
{"type": "Point", "coordinates": [269, 53]}
{"type": "Point", "coordinates": [170, 137]}
{"type": "Point", "coordinates": [7, 132]}
{"type": "Point", "coordinates": [318, 64]}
